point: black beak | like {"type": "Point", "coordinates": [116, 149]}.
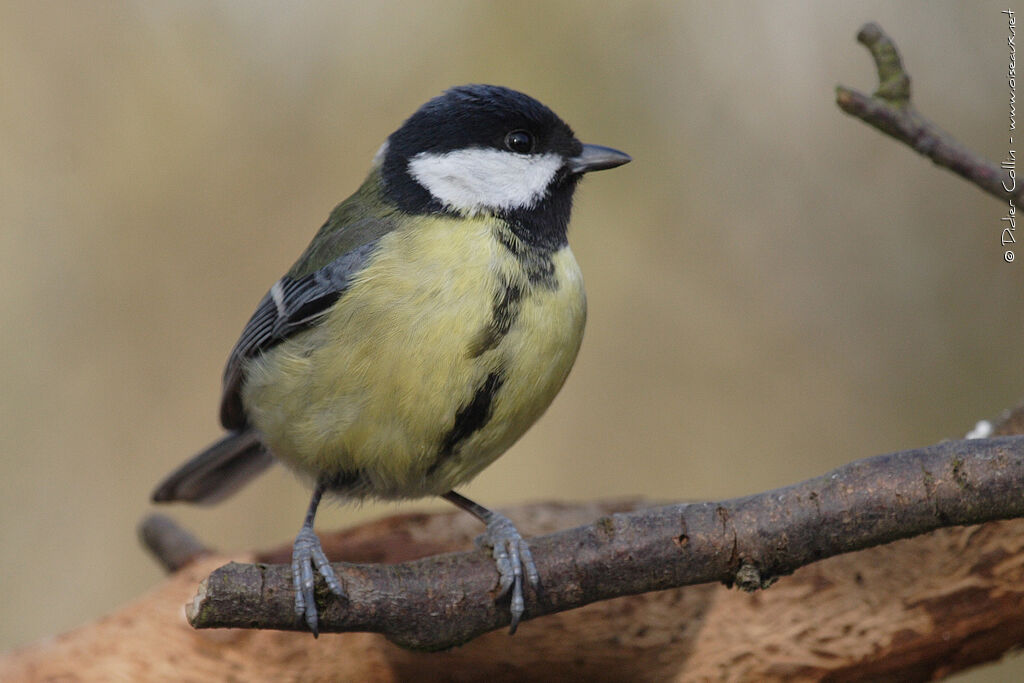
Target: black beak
{"type": "Point", "coordinates": [597, 158]}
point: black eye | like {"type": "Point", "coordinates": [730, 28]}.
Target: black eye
{"type": "Point", "coordinates": [519, 141]}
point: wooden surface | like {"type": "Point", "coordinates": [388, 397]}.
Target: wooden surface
{"type": "Point", "coordinates": [912, 610]}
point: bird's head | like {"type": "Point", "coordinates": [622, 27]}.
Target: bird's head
{"type": "Point", "coordinates": [485, 149]}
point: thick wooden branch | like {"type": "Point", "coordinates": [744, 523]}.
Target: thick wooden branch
{"type": "Point", "coordinates": [914, 609]}
{"type": "Point", "coordinates": [438, 602]}
{"type": "Point", "coordinates": [890, 111]}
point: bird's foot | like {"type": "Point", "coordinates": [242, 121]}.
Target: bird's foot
{"type": "Point", "coordinates": [307, 553]}
{"type": "Point", "coordinates": [514, 561]}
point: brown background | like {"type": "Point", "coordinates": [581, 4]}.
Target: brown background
{"type": "Point", "coordinates": [774, 288]}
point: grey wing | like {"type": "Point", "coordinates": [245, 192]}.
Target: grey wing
{"type": "Point", "coordinates": [291, 305]}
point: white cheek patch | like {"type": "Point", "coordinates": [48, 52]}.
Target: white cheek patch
{"type": "Point", "coordinates": [476, 179]}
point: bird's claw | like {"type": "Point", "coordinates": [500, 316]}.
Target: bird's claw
{"type": "Point", "coordinates": [514, 562]}
{"type": "Point", "coordinates": [307, 553]}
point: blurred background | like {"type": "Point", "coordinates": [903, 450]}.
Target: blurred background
{"type": "Point", "coordinates": [774, 288]}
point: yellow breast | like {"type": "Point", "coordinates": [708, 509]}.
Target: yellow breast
{"type": "Point", "coordinates": [448, 345]}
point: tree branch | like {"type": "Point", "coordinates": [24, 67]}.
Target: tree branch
{"type": "Point", "coordinates": [172, 546]}
{"type": "Point", "coordinates": [890, 111]}
{"type": "Point", "coordinates": [442, 601]}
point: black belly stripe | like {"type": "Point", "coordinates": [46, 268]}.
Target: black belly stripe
{"type": "Point", "coordinates": [469, 419]}
{"type": "Point", "coordinates": [503, 314]}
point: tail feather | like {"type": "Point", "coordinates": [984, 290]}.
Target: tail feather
{"type": "Point", "coordinates": [217, 472]}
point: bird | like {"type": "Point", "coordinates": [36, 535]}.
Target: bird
{"type": "Point", "coordinates": [430, 322]}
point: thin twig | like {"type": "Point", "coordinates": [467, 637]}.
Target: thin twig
{"type": "Point", "coordinates": [442, 601]}
{"type": "Point", "coordinates": [890, 111]}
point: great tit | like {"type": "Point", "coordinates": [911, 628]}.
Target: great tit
{"type": "Point", "coordinates": [430, 322]}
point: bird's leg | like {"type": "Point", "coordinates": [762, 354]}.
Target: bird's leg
{"type": "Point", "coordinates": [511, 553]}
{"type": "Point", "coordinates": [307, 553]}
